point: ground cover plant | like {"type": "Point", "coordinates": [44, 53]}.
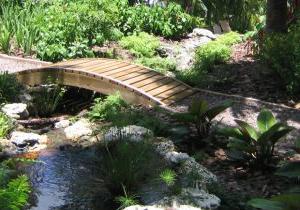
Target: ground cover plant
{"type": "Point", "coordinates": [9, 87]}
{"type": "Point", "coordinates": [6, 125]}
{"type": "Point", "coordinates": [256, 146]}
{"type": "Point", "coordinates": [214, 53]}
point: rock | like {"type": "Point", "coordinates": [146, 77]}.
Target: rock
{"type": "Point", "coordinates": [191, 167]}
{"type": "Point", "coordinates": [132, 132]}
{"type": "Point", "coordinates": [62, 124]}
{"type": "Point", "coordinates": [164, 147]}
{"type": "Point", "coordinates": [25, 98]}
{"type": "Point", "coordinates": [16, 111]}
{"type": "Point", "coordinates": [7, 148]}
{"type": "Point", "coordinates": [22, 139]}
{"type": "Point", "coordinates": [201, 199]}
{"type": "Point", "coordinates": [203, 32]}
{"type": "Point", "coordinates": [176, 157]}
{"type": "Point", "coordinates": [79, 129]}
{"type": "Point", "coordinates": [182, 207]}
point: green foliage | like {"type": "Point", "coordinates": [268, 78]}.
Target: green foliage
{"type": "Point", "coordinates": [285, 201]}
{"type": "Point", "coordinates": [209, 55]}
{"type": "Point", "coordinates": [282, 53]}
{"type": "Point", "coordinates": [168, 176]}
{"type": "Point", "coordinates": [47, 98]}
{"type": "Point", "coordinates": [162, 65]}
{"type": "Point", "coordinates": [128, 164]}
{"type": "Point", "coordinates": [108, 108]}
{"type": "Point", "coordinates": [141, 44]}
{"type": "Point", "coordinates": [14, 191]}
{"type": "Point", "coordinates": [200, 116]}
{"type": "Point", "coordinates": [9, 87]}
{"type": "Point", "coordinates": [6, 125]}
{"type": "Point", "coordinates": [252, 145]}
{"type": "Point", "coordinates": [169, 22]}
{"type": "Point", "coordinates": [241, 14]}
{"type": "Point", "coordinates": [126, 200]}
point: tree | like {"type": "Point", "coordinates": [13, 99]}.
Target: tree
{"type": "Point", "coordinates": [277, 16]}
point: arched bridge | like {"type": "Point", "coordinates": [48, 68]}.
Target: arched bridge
{"type": "Point", "coordinates": [136, 84]}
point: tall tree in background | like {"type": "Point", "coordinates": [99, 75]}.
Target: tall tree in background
{"type": "Point", "coordinates": [277, 16]}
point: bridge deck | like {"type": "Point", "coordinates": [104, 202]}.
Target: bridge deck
{"type": "Point", "coordinates": [118, 75]}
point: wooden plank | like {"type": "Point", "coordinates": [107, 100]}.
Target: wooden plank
{"type": "Point", "coordinates": [69, 64]}
{"type": "Point", "coordinates": [152, 81]}
{"type": "Point", "coordinates": [171, 92]}
{"type": "Point", "coordinates": [140, 78]}
{"type": "Point", "coordinates": [120, 72]}
{"type": "Point", "coordinates": [109, 68]}
{"type": "Point", "coordinates": [164, 88]}
{"type": "Point", "coordinates": [101, 67]}
{"type": "Point", "coordinates": [90, 66]}
{"type": "Point", "coordinates": [178, 96]}
{"type": "Point", "coordinates": [129, 73]}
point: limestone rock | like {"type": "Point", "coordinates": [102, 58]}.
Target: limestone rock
{"type": "Point", "coordinates": [7, 148]}
{"type": "Point", "coordinates": [79, 129]}
{"type": "Point", "coordinates": [225, 26]}
{"type": "Point", "coordinates": [182, 207]}
{"type": "Point", "coordinates": [203, 32]}
{"type": "Point", "coordinates": [22, 139]}
{"type": "Point", "coordinates": [16, 110]}
{"type": "Point", "coordinates": [132, 132]}
{"type": "Point", "coordinates": [62, 124]}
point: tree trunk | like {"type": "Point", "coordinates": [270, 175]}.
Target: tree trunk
{"type": "Point", "coordinates": [276, 16]}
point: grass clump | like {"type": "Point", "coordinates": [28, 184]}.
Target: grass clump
{"type": "Point", "coordinates": [9, 87]}
{"type": "Point", "coordinates": [6, 125]}
{"type": "Point", "coordinates": [141, 44]}
{"type": "Point", "coordinates": [108, 108]}
{"type": "Point", "coordinates": [161, 65]}
{"type": "Point", "coordinates": [207, 56]}
{"type": "Point", "coordinates": [168, 176]}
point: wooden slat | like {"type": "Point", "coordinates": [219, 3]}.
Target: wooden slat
{"type": "Point", "coordinates": [178, 97]}
{"type": "Point", "coordinates": [128, 74]}
{"type": "Point", "coordinates": [164, 88]}
{"type": "Point", "coordinates": [99, 68]}
{"type": "Point", "coordinates": [171, 92]}
{"type": "Point", "coordinates": [67, 65]}
{"type": "Point", "coordinates": [140, 78]}
{"type": "Point", "coordinates": [122, 71]}
{"type": "Point", "coordinates": [93, 63]}
{"type": "Point", "coordinates": [91, 66]}
{"type": "Point", "coordinates": [152, 81]}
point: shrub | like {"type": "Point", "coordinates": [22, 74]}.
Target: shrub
{"type": "Point", "coordinates": [282, 53]}
{"type": "Point", "coordinates": [5, 125]}
{"type": "Point", "coordinates": [47, 98]}
{"type": "Point", "coordinates": [209, 55]}
{"type": "Point", "coordinates": [255, 146]}
{"type": "Point", "coordinates": [162, 65]}
{"type": "Point", "coordinates": [169, 22]}
{"type": "Point", "coordinates": [9, 87]}
{"type": "Point", "coordinates": [141, 44]}
{"type": "Point", "coordinates": [200, 116]}
{"type": "Point", "coordinates": [127, 165]}
{"type": "Point", "coordinates": [108, 108]}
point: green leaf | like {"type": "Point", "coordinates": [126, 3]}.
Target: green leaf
{"type": "Point", "coordinates": [231, 132]}
{"type": "Point", "coordinates": [198, 107]}
{"type": "Point", "coordinates": [213, 112]}
{"type": "Point", "coordinates": [266, 204]}
{"type": "Point", "coordinates": [275, 133]}
{"type": "Point", "coordinates": [265, 120]}
{"type": "Point", "coordinates": [247, 130]}
{"type": "Point", "coordinates": [291, 201]}
{"type": "Point", "coordinates": [291, 170]}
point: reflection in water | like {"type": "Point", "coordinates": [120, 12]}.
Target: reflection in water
{"type": "Point", "coordinates": [68, 180]}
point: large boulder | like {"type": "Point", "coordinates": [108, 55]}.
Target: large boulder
{"type": "Point", "coordinates": [22, 139]}
{"type": "Point", "coordinates": [62, 124]}
{"type": "Point", "coordinates": [16, 111]}
{"type": "Point", "coordinates": [7, 148]}
{"type": "Point", "coordinates": [130, 132]}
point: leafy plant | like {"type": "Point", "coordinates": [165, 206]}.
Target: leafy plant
{"type": "Point", "coordinates": [128, 164]}
{"type": "Point", "coordinates": [252, 145]}
{"type": "Point", "coordinates": [9, 87]}
{"type": "Point", "coordinates": [108, 108]}
{"type": "Point", "coordinates": [200, 115]}
{"type": "Point", "coordinates": [126, 200]}
{"type": "Point", "coordinates": [168, 176]}
{"type": "Point", "coordinates": [286, 201]}
{"type": "Point", "coordinates": [141, 44]}
{"type": "Point", "coordinates": [6, 125]}
{"type": "Point", "coordinates": [47, 98]}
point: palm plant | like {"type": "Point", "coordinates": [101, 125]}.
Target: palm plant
{"type": "Point", "coordinates": [255, 145]}
{"type": "Point", "coordinates": [200, 116]}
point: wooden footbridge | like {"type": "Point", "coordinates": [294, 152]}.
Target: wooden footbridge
{"type": "Point", "coordinates": [136, 84]}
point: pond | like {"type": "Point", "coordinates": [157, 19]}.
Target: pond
{"type": "Point", "coordinates": [69, 179]}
